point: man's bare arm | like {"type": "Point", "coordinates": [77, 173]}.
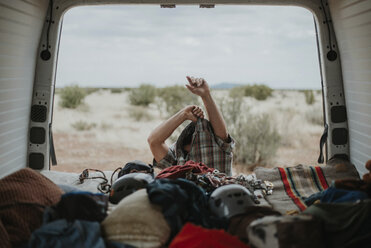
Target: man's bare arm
{"type": "Point", "coordinates": [200, 87]}
{"type": "Point", "coordinates": [160, 134]}
{"type": "Point", "coordinates": [215, 117]}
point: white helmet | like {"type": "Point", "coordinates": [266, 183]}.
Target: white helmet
{"type": "Point", "coordinates": [230, 200]}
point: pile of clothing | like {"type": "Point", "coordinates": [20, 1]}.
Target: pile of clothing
{"type": "Point", "coordinates": [183, 206]}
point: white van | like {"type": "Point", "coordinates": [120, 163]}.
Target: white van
{"type": "Point", "coordinates": [30, 34]}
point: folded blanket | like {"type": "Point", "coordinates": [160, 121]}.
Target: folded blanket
{"type": "Point", "coordinates": [293, 184]}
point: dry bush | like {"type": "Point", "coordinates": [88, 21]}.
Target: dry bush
{"type": "Point", "coordinates": [309, 97]}
{"type": "Point", "coordinates": [237, 92]}
{"type": "Point", "coordinates": [105, 126]}
{"type": "Point", "coordinates": [175, 98]}
{"type": "Point", "coordinates": [83, 108]}
{"type": "Point", "coordinates": [257, 139]}
{"type": "Point", "coordinates": [314, 116]}
{"type": "Point", "coordinates": [232, 109]}
{"type": "Point", "coordinates": [139, 113]}
{"type": "Point", "coordinates": [83, 126]}
{"type": "Point", "coordinates": [90, 90]}
{"type": "Point", "coordinates": [288, 123]}
{"type": "Point", "coordinates": [71, 96]}
{"type": "Point", "coordinates": [142, 96]}
{"type": "Point", "coordinates": [116, 90]}
{"type": "Point", "coordinates": [258, 91]}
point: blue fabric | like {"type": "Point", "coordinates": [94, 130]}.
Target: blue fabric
{"type": "Point", "coordinates": [79, 205]}
{"type": "Point", "coordinates": [182, 201]}
{"type": "Point", "coordinates": [345, 224]}
{"type": "Point", "coordinates": [334, 195]}
{"type": "Point", "coordinates": [68, 189]}
{"type": "Point", "coordinates": [62, 234]}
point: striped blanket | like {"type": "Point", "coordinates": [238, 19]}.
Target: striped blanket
{"type": "Point", "coordinates": [293, 184]}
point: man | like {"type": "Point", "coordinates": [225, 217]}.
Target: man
{"type": "Point", "coordinates": [201, 141]}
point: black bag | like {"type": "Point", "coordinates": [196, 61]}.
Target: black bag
{"type": "Point", "coordinates": [136, 166]}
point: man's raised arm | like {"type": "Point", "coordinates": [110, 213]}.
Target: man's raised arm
{"type": "Point", "coordinates": [160, 134]}
{"type": "Point", "coordinates": [200, 87]}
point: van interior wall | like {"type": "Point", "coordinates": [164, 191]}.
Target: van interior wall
{"type": "Point", "coordinates": [21, 24]}
{"type": "Point", "coordinates": [352, 24]}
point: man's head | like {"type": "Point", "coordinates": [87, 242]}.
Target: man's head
{"type": "Point", "coordinates": [185, 138]}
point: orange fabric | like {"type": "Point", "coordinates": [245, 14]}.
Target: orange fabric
{"type": "Point", "coordinates": [192, 236]}
{"type": "Point", "coordinates": [23, 197]}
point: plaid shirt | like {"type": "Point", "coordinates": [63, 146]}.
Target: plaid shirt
{"type": "Point", "coordinates": [206, 147]}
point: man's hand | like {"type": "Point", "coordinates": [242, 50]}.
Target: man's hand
{"type": "Point", "coordinates": [198, 86]}
{"type": "Point", "coordinates": [193, 112]}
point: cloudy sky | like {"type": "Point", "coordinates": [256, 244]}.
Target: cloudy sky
{"type": "Point", "coordinates": [124, 46]}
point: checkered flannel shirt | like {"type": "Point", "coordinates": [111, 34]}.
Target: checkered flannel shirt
{"type": "Point", "coordinates": [206, 147]}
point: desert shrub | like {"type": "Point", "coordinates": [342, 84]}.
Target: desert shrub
{"type": "Point", "coordinates": [139, 113]}
{"type": "Point", "coordinates": [142, 96]}
{"type": "Point", "coordinates": [257, 139]}
{"type": "Point", "coordinates": [83, 126]}
{"type": "Point", "coordinates": [90, 90]}
{"type": "Point", "coordinates": [72, 96]}
{"type": "Point", "coordinates": [258, 91]}
{"type": "Point", "coordinates": [105, 126]}
{"type": "Point", "coordinates": [283, 94]}
{"type": "Point", "coordinates": [83, 108]}
{"type": "Point", "coordinates": [288, 126]}
{"type": "Point", "coordinates": [116, 90]}
{"type": "Point", "coordinates": [237, 92]}
{"type": "Point", "coordinates": [231, 108]}
{"type": "Point", "coordinates": [176, 97]}
{"type": "Point", "coordinates": [314, 116]}
{"type": "Point", "coordinates": [309, 97]}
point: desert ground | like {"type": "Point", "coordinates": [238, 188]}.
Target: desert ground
{"type": "Point", "coordinates": [103, 134]}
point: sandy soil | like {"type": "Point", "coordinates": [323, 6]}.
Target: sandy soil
{"type": "Point", "coordinates": [116, 138]}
